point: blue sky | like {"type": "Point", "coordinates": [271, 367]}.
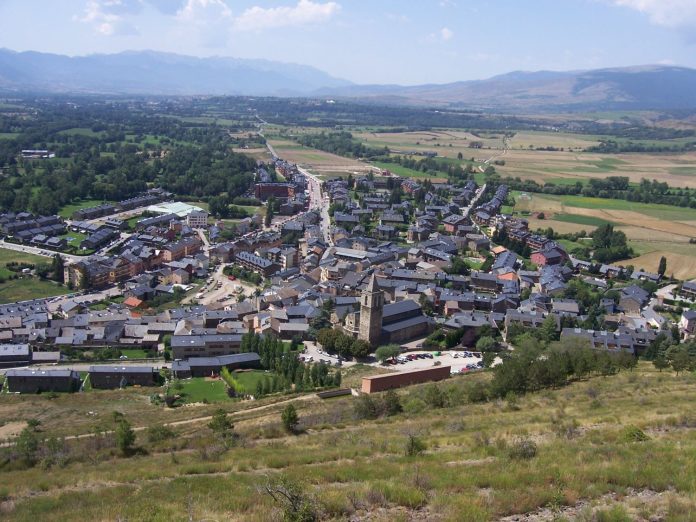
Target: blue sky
{"type": "Point", "coordinates": [370, 41]}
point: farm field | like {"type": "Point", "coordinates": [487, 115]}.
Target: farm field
{"type": "Point", "coordinates": [652, 229]}
{"type": "Point", "coordinates": [564, 167]}
{"type": "Point", "coordinates": [29, 288]}
{"type": "Point", "coordinates": [447, 143]}
{"type": "Point", "coordinates": [318, 160]}
{"type": "Point", "coordinates": [586, 461]}
{"type": "Point", "coordinates": [406, 172]}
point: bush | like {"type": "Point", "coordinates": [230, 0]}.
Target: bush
{"type": "Point", "coordinates": [290, 418]}
{"type": "Point", "coordinates": [434, 396]}
{"type": "Point", "coordinates": [414, 446]}
{"type": "Point", "coordinates": [365, 408]}
{"type": "Point", "coordinates": [523, 449]}
{"type": "Point", "coordinates": [392, 403]}
{"type": "Point", "coordinates": [158, 433]}
{"type": "Point", "coordinates": [634, 434]}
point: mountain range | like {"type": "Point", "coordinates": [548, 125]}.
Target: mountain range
{"type": "Point", "coordinates": [149, 72]}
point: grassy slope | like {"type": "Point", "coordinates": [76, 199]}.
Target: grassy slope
{"type": "Point", "coordinates": [358, 466]}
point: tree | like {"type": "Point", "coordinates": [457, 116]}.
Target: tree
{"type": "Point", "coordinates": [387, 352]}
{"type": "Point", "coordinates": [221, 426]}
{"type": "Point", "coordinates": [290, 418]}
{"type": "Point", "coordinates": [360, 348]}
{"type": "Point", "coordinates": [486, 344]}
{"type": "Point", "coordinates": [57, 267]}
{"type": "Point", "coordinates": [27, 445]}
{"type": "Point", "coordinates": [660, 362]}
{"type": "Point", "coordinates": [662, 267]}
{"type": "Point", "coordinates": [125, 436]}
{"type": "Point", "coordinates": [679, 358]}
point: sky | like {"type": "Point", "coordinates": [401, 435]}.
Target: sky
{"type": "Point", "coordinates": [370, 41]}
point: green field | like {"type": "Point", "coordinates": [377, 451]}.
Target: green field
{"type": "Point", "coordinates": [29, 288]}
{"type": "Point", "coordinates": [201, 389]}
{"type": "Point", "coordinates": [134, 353]}
{"type": "Point", "coordinates": [81, 131]}
{"type": "Point", "coordinates": [8, 135]}
{"type": "Point", "coordinates": [74, 238]}
{"type": "Point", "coordinates": [406, 172]}
{"type": "Point", "coordinates": [68, 210]}
{"type": "Point", "coordinates": [650, 209]}
{"type": "Point", "coordinates": [581, 220]}
{"type": "Point", "coordinates": [250, 379]}
{"type": "Point", "coordinates": [9, 256]}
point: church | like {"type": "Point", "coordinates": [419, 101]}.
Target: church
{"type": "Point", "coordinates": [380, 324]}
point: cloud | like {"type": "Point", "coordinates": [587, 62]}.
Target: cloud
{"type": "Point", "coordinates": [203, 11]}
{"type": "Point", "coordinates": [667, 13]}
{"type": "Point", "coordinates": [446, 34]}
{"type": "Point", "coordinates": [108, 16]}
{"type": "Point", "coordinates": [304, 13]}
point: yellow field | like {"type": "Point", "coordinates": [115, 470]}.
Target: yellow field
{"type": "Point", "coordinates": [525, 139]}
{"type": "Point", "coordinates": [446, 143]}
{"type": "Point", "coordinates": [321, 162]}
{"type": "Point", "coordinates": [678, 170]}
{"type": "Point", "coordinates": [679, 265]}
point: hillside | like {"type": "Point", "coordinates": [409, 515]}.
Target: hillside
{"type": "Point", "coordinates": [606, 448]}
{"type": "Point", "coordinates": [156, 73]}
{"type": "Point", "coordinates": [631, 88]}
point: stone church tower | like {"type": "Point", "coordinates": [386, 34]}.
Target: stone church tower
{"type": "Point", "coordinates": [371, 308]}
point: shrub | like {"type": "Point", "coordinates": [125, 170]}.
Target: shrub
{"type": "Point", "coordinates": [522, 449]}
{"type": "Point", "coordinates": [414, 446]}
{"type": "Point", "coordinates": [290, 418]}
{"type": "Point", "coordinates": [365, 408]}
{"type": "Point", "coordinates": [297, 506]}
{"type": "Point", "coordinates": [392, 403]}
{"type": "Point", "coordinates": [414, 405]}
{"type": "Point", "coordinates": [158, 433]}
{"type": "Point", "coordinates": [434, 396]}
{"type": "Point", "coordinates": [634, 434]}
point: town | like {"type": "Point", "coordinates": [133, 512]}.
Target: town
{"type": "Point", "coordinates": [385, 260]}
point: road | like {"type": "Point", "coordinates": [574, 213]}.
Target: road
{"type": "Point", "coordinates": [479, 193]}
{"type": "Point", "coordinates": [487, 162]}
{"type": "Point", "coordinates": [38, 251]}
{"type": "Point", "coordinates": [226, 293]}
{"type": "Point", "coordinates": [320, 203]}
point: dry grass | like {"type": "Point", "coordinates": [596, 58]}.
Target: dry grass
{"type": "Point", "coordinates": [357, 469]}
{"type": "Point", "coordinates": [679, 265]}
{"type": "Point", "coordinates": [543, 166]}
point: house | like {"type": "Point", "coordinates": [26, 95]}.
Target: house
{"type": "Point", "coordinates": [549, 256]}
{"type": "Point", "coordinates": [687, 323]}
{"type": "Point", "coordinates": [207, 366]}
{"type": "Point", "coordinates": [632, 299]}
{"type": "Point", "coordinates": [688, 290]}
{"type": "Point", "coordinates": [12, 355]}
{"type": "Point", "coordinates": [36, 381]}
{"type": "Point", "coordinates": [111, 377]}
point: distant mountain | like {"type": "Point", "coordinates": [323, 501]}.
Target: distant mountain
{"type": "Point", "coordinates": [148, 72]}
{"type": "Point", "coordinates": [629, 88]}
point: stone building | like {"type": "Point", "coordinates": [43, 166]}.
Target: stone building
{"type": "Point", "coordinates": [371, 309]}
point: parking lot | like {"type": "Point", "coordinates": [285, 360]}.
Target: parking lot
{"type": "Point", "coordinates": [461, 361]}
